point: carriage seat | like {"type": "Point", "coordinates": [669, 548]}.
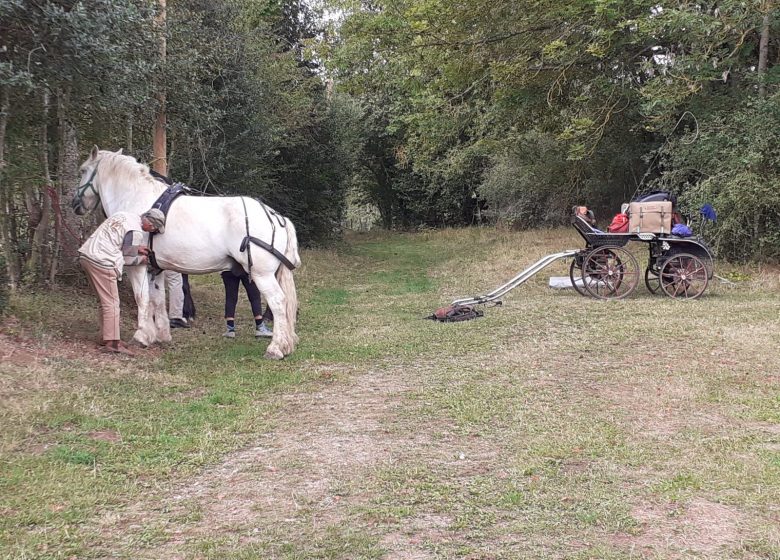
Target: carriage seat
{"type": "Point", "coordinates": [596, 238]}
{"type": "Point", "coordinates": [581, 224]}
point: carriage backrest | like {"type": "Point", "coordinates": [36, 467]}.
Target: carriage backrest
{"type": "Point", "coordinates": [583, 227]}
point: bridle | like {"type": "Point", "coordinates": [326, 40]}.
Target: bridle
{"type": "Point", "coordinates": [82, 190]}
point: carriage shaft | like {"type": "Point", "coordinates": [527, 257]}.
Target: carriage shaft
{"type": "Point", "coordinates": [517, 280]}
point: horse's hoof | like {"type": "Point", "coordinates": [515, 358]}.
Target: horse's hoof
{"type": "Point", "coordinates": [273, 353]}
{"type": "Point", "coordinates": [142, 339]}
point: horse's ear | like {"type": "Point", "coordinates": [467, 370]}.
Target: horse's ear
{"type": "Point", "coordinates": [93, 154]}
{"type": "Point", "coordinates": [119, 151]}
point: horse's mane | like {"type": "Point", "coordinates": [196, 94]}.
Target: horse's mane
{"type": "Point", "coordinates": [126, 169]}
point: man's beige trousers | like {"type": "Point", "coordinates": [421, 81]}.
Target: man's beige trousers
{"type": "Point", "coordinates": [103, 281]}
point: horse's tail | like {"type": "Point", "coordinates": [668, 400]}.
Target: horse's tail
{"type": "Point", "coordinates": [285, 278]}
{"type": "Point", "coordinates": [188, 311]}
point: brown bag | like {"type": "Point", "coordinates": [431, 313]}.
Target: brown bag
{"type": "Point", "coordinates": [650, 217]}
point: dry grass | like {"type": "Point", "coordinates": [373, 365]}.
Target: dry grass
{"type": "Point", "coordinates": [555, 427]}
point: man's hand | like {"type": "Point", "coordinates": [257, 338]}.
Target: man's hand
{"type": "Point", "coordinates": [143, 250]}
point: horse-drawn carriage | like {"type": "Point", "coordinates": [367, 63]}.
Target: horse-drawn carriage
{"type": "Point", "coordinates": [681, 267]}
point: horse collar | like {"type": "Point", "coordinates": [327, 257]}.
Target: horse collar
{"type": "Point", "coordinates": [163, 203]}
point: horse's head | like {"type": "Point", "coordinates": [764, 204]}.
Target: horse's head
{"type": "Point", "coordinates": [87, 196]}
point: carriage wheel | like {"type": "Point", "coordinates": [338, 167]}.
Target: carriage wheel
{"type": "Point", "coordinates": [610, 273]}
{"type": "Point", "coordinates": [652, 281]}
{"type": "Point", "coordinates": [684, 276]}
{"type": "Point", "coordinates": [575, 275]}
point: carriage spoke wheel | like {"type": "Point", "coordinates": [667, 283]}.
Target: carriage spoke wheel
{"type": "Point", "coordinates": [684, 276]}
{"type": "Point", "coordinates": [610, 273]}
{"type": "Point", "coordinates": [576, 277]}
{"type": "Point", "coordinates": [652, 281]}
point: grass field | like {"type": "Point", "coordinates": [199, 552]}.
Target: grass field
{"type": "Point", "coordinates": [554, 427]}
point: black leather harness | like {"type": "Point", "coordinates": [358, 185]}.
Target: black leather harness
{"type": "Point", "coordinates": [165, 200]}
{"type": "Point", "coordinates": [245, 244]}
{"type": "Point", "coordinates": [163, 204]}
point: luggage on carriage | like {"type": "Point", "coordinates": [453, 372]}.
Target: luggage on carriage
{"type": "Point", "coordinates": [650, 217]}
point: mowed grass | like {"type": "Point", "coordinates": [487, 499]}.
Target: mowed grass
{"type": "Point", "coordinates": [554, 427]}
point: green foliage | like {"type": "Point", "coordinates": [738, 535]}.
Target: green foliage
{"type": "Point", "coordinates": [732, 162]}
{"type": "Point", "coordinates": [439, 113]}
{"type": "Point", "coordinates": [537, 105]}
{"type": "Point", "coordinates": [253, 116]}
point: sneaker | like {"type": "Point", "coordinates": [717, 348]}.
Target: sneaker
{"type": "Point", "coordinates": [229, 334]}
{"type": "Point", "coordinates": [263, 331]}
{"type": "Point", "coordinates": [179, 324]}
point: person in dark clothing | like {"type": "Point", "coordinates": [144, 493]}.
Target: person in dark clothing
{"type": "Point", "coordinates": [231, 282]}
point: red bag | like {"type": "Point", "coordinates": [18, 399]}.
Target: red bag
{"type": "Point", "coordinates": [619, 224]}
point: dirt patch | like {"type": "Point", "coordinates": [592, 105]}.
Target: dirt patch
{"type": "Point", "coordinates": [662, 410]}
{"type": "Point", "coordinates": [23, 352]}
{"type": "Point", "coordinates": [109, 436]}
{"type": "Point", "coordinates": [310, 473]}
{"type": "Point", "coordinates": [674, 531]}
{"type": "Point", "coordinates": [422, 533]}
{"type": "Point", "coordinates": [32, 367]}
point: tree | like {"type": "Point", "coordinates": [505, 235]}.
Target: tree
{"type": "Point", "coordinates": [471, 92]}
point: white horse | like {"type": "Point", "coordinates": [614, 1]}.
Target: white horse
{"type": "Point", "coordinates": [202, 234]}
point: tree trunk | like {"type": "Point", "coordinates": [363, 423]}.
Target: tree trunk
{"type": "Point", "coordinates": [191, 175]}
{"type": "Point", "coordinates": [763, 49]}
{"type": "Point", "coordinates": [159, 157]}
{"type": "Point", "coordinates": [383, 195]}
{"type": "Point", "coordinates": [129, 134]}
{"type": "Point", "coordinates": [36, 265]}
{"type": "Point", "coordinates": [7, 225]}
{"type": "Point", "coordinates": [67, 183]}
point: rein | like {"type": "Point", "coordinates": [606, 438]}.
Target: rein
{"type": "Point", "coordinates": [58, 222]}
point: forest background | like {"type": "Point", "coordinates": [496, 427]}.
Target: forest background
{"type": "Point", "coordinates": [426, 113]}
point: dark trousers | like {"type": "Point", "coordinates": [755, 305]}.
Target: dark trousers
{"type": "Point", "coordinates": [231, 282]}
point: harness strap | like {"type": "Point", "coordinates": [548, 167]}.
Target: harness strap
{"type": "Point", "coordinates": [154, 268]}
{"type": "Point", "coordinates": [246, 242]}
{"type": "Point", "coordinates": [245, 245]}
{"type": "Point", "coordinates": [90, 184]}
{"type": "Point", "coordinates": [267, 215]}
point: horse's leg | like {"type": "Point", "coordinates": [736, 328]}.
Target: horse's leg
{"type": "Point", "coordinates": [189, 304]}
{"type": "Point", "coordinates": [145, 334]}
{"type": "Point", "coordinates": [282, 343]}
{"type": "Point", "coordinates": [159, 311]}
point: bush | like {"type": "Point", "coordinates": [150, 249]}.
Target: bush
{"type": "Point", "coordinates": [732, 163]}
